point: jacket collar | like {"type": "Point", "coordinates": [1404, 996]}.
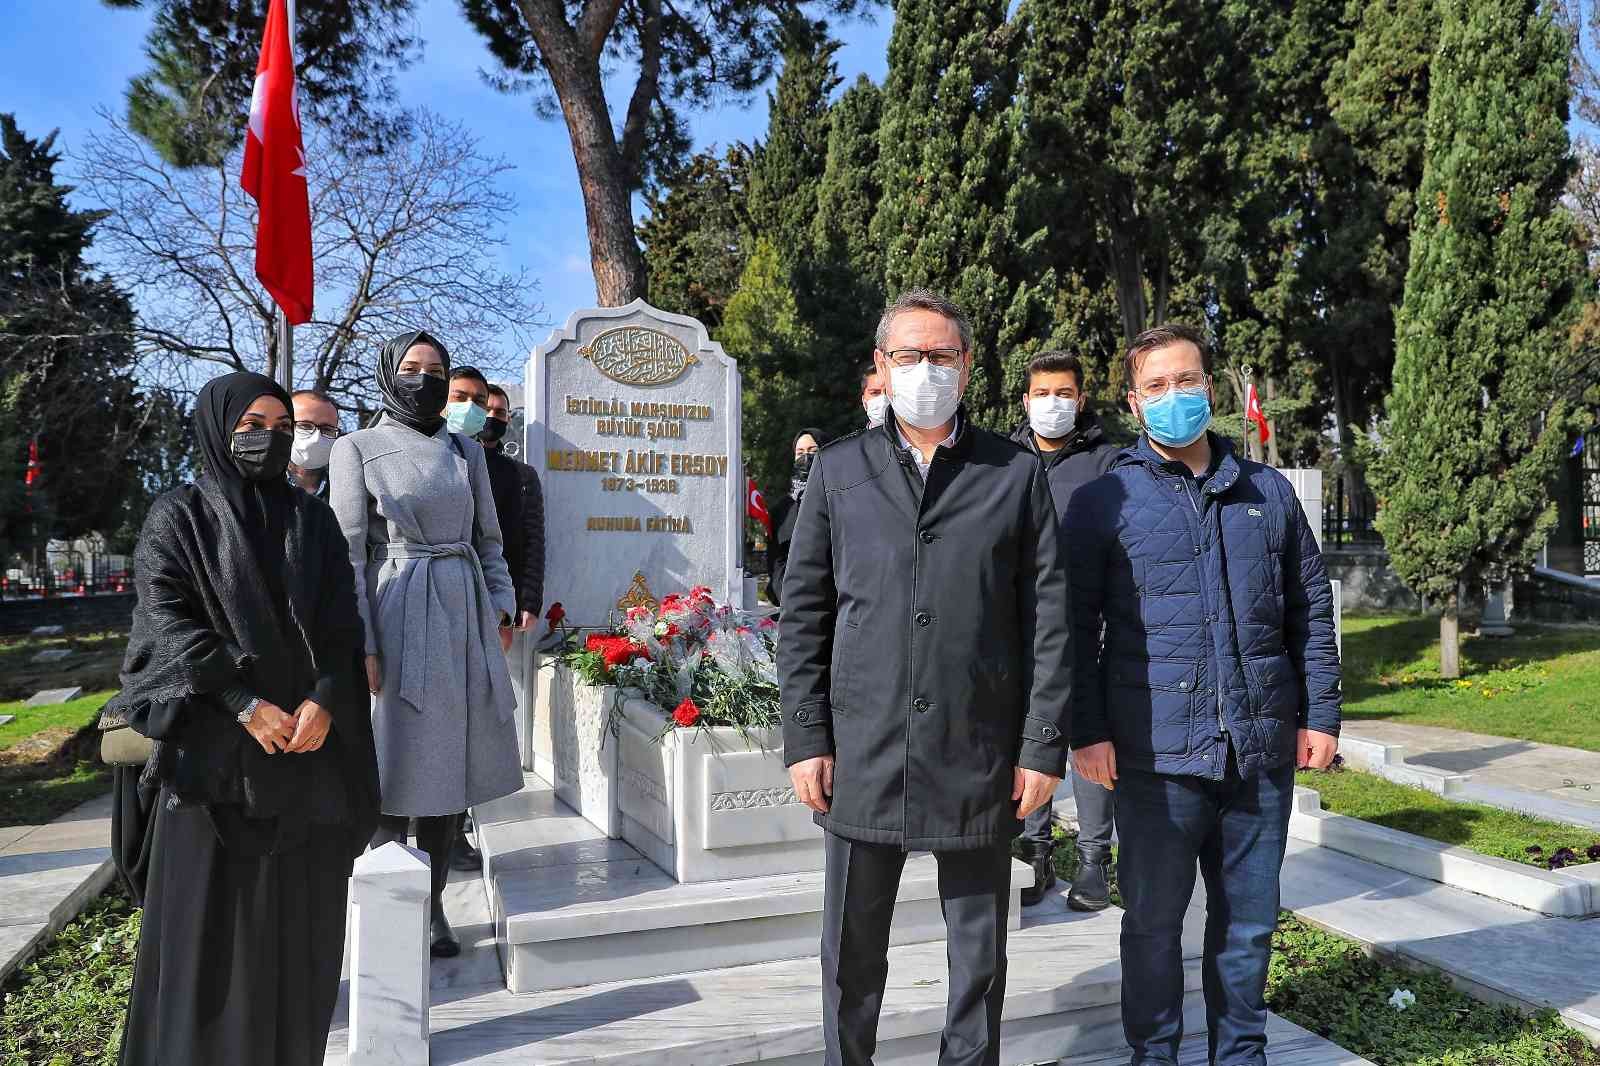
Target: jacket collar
{"type": "Point", "coordinates": [889, 433]}
{"type": "Point", "coordinates": [1220, 481]}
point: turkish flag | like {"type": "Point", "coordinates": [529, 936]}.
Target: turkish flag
{"type": "Point", "coordinates": [1253, 412]}
{"type": "Point", "coordinates": [756, 505]}
{"type": "Point", "coordinates": [275, 173]}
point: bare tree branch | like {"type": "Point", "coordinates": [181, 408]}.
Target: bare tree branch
{"type": "Point", "coordinates": [410, 238]}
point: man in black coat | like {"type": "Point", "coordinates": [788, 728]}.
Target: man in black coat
{"type": "Point", "coordinates": [528, 576]}
{"type": "Point", "coordinates": [1071, 443]}
{"type": "Point", "coordinates": [924, 667]}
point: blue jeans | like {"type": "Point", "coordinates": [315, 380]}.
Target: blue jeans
{"type": "Point", "coordinates": [1235, 831]}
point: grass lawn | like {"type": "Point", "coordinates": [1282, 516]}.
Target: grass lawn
{"type": "Point", "coordinates": [1538, 685]}
{"type": "Point", "coordinates": [49, 759]}
{"type": "Point", "coordinates": [1489, 830]}
{"type": "Point", "coordinates": [66, 1006]}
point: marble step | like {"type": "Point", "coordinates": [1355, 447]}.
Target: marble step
{"type": "Point", "coordinates": [1062, 1001]}
{"type": "Point", "coordinates": [1287, 1045]}
{"type": "Point", "coordinates": [593, 922]}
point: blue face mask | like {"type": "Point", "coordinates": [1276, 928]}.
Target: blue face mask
{"type": "Point", "coordinates": [464, 417]}
{"type": "Point", "coordinates": [1178, 418]}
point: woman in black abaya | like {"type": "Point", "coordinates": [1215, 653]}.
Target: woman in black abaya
{"type": "Point", "coordinates": [244, 667]}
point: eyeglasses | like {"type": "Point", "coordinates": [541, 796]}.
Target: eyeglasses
{"type": "Point", "coordinates": [946, 357]}
{"type": "Point", "coordinates": [1189, 381]}
{"type": "Point", "coordinates": [331, 432]}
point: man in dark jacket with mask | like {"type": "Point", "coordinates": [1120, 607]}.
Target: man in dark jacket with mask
{"type": "Point", "coordinates": [925, 677]}
{"type": "Point", "coordinates": [1217, 676]}
{"type": "Point", "coordinates": [1071, 443]}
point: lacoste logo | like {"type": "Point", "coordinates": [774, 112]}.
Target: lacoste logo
{"type": "Point", "coordinates": [1254, 513]}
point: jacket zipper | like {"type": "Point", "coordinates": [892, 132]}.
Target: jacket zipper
{"type": "Point", "coordinates": [1222, 723]}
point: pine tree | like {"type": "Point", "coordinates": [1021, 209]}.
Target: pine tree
{"type": "Point", "coordinates": [66, 354]}
{"type": "Point", "coordinates": [693, 236]}
{"type": "Point", "coordinates": [944, 152]}
{"type": "Point", "coordinates": [764, 330]}
{"type": "Point", "coordinates": [1474, 436]}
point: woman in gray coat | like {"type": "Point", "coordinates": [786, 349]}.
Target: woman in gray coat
{"type": "Point", "coordinates": [415, 504]}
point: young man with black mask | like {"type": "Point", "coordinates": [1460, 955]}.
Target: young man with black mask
{"type": "Point", "coordinates": [529, 577]}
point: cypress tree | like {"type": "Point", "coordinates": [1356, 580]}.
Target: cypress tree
{"type": "Point", "coordinates": [787, 167]}
{"type": "Point", "coordinates": [1474, 435]}
{"type": "Point", "coordinates": [693, 236]}
{"type": "Point", "coordinates": [944, 153]}
{"type": "Point", "coordinates": [846, 269]}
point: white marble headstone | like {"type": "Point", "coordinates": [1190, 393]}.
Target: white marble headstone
{"type": "Point", "coordinates": [633, 425]}
{"type": "Point", "coordinates": [389, 961]}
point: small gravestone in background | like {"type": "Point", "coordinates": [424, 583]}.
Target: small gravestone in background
{"type": "Point", "coordinates": [52, 655]}
{"type": "Point", "coordinates": [633, 425]}
{"type": "Point", "coordinates": [49, 631]}
{"type": "Point", "coordinates": [51, 696]}
{"type": "Point", "coordinates": [7, 719]}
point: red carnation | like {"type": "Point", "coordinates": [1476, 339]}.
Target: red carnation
{"type": "Point", "coordinates": [686, 713]}
{"type": "Point", "coordinates": [672, 630]}
{"type": "Point", "coordinates": [555, 615]}
{"type": "Point", "coordinates": [623, 651]}
{"type": "Point", "coordinates": [700, 594]}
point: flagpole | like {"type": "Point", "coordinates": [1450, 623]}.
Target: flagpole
{"type": "Point", "coordinates": [286, 331]}
{"type": "Point", "coordinates": [285, 351]}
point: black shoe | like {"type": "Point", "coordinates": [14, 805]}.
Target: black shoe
{"type": "Point", "coordinates": [1091, 885]}
{"type": "Point", "coordinates": [464, 856]}
{"type": "Point", "coordinates": [1044, 875]}
{"type": "Point", "coordinates": [444, 944]}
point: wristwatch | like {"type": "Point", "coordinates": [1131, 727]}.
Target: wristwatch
{"type": "Point", "coordinates": [249, 711]}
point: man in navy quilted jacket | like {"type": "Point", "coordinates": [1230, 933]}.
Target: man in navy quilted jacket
{"type": "Point", "coordinates": [1218, 675]}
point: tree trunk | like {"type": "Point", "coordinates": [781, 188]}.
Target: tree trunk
{"type": "Point", "coordinates": [1450, 638]}
{"type": "Point", "coordinates": [573, 64]}
{"type": "Point", "coordinates": [1274, 458]}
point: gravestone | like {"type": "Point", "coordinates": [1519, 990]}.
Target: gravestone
{"type": "Point", "coordinates": [50, 696]}
{"type": "Point", "coordinates": [633, 425]}
{"type": "Point", "coordinates": [52, 655]}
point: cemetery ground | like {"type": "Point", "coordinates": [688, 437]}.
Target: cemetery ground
{"type": "Point", "coordinates": [66, 1005]}
{"type": "Point", "coordinates": [49, 755]}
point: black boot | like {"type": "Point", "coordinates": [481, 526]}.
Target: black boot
{"type": "Point", "coordinates": [1042, 859]}
{"type": "Point", "coordinates": [1091, 885]}
{"type": "Point", "coordinates": [442, 939]}
{"type": "Point", "coordinates": [464, 856]}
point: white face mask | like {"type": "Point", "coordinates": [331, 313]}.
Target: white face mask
{"type": "Point", "coordinates": [1052, 417]}
{"type": "Point", "coordinates": [311, 450]}
{"type": "Point", "coordinates": [925, 396]}
{"type": "Point", "coordinates": [876, 406]}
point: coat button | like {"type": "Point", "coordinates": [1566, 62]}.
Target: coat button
{"type": "Point", "coordinates": [1197, 549]}
{"type": "Point", "coordinates": [1184, 685]}
{"type": "Point", "coordinates": [1049, 732]}
{"type": "Point", "coordinates": [924, 618]}
{"type": "Point", "coordinates": [919, 705]}
{"type": "Point", "coordinates": [801, 716]}
{"type": "Point", "coordinates": [927, 536]}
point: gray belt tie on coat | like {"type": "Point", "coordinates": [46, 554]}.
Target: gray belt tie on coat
{"type": "Point", "coordinates": [420, 602]}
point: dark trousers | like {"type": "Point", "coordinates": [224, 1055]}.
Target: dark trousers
{"type": "Point", "coordinates": [858, 905]}
{"type": "Point", "coordinates": [436, 835]}
{"type": "Point", "coordinates": [1235, 830]}
{"type": "Point", "coordinates": [1096, 807]}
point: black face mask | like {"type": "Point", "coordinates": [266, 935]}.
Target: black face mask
{"type": "Point", "coordinates": [802, 465]}
{"type": "Point", "coordinates": [422, 394]}
{"type": "Point", "coordinates": [493, 430]}
{"type": "Point", "coordinates": [262, 454]}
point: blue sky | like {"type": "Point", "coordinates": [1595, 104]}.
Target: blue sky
{"type": "Point", "coordinates": [61, 59]}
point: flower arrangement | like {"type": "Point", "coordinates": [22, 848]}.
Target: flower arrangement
{"type": "Point", "coordinates": [704, 663]}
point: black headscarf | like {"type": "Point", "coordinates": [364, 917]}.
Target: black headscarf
{"type": "Point", "coordinates": [797, 485]}
{"type": "Point", "coordinates": [396, 405]}
{"type": "Point", "coordinates": [261, 507]}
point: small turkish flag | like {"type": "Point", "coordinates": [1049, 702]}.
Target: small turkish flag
{"type": "Point", "coordinates": [756, 505]}
{"type": "Point", "coordinates": [1253, 412]}
{"type": "Point", "coordinates": [275, 173]}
